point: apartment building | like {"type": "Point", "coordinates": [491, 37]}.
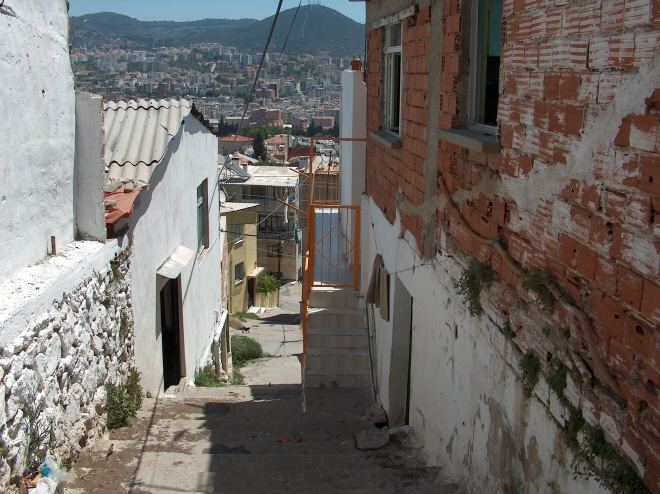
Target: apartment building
{"type": "Point", "coordinates": [278, 227]}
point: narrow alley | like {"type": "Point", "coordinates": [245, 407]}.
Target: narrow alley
{"type": "Point", "coordinates": [265, 436]}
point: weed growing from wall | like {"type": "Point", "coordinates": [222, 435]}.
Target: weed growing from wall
{"type": "Point", "coordinates": [537, 281]}
{"type": "Point", "coordinates": [39, 433]}
{"type": "Point", "coordinates": [475, 278]}
{"type": "Point", "coordinates": [597, 458]}
{"type": "Point", "coordinates": [557, 378]}
{"type": "Point", "coordinates": [594, 457]}
{"type": "Point", "coordinates": [530, 366]}
{"type": "Point", "coordinates": [508, 330]}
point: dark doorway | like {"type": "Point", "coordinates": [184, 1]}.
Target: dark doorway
{"type": "Point", "coordinates": [401, 362]}
{"type": "Point", "coordinates": [250, 293]}
{"type": "Point", "coordinates": [170, 333]}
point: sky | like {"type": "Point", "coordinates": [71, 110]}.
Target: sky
{"type": "Point", "coordinates": [189, 10]}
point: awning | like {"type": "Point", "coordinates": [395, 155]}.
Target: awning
{"type": "Point", "coordinates": [174, 264]}
{"type": "Point", "coordinates": [255, 272]}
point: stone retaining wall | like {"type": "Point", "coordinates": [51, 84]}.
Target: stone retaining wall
{"type": "Point", "coordinates": [52, 376]}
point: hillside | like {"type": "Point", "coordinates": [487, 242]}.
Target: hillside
{"type": "Point", "coordinates": [316, 28]}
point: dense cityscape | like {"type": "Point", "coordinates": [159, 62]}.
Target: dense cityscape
{"type": "Point", "coordinates": [297, 90]}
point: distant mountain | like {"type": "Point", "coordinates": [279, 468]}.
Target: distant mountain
{"type": "Point", "coordinates": [149, 33]}
{"type": "Point", "coordinates": [316, 28]}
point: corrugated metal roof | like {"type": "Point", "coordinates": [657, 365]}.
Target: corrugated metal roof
{"type": "Point", "coordinates": [277, 176]}
{"type": "Point", "coordinates": [137, 134]}
{"type": "Point", "coordinates": [232, 207]}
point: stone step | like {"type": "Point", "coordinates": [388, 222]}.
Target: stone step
{"type": "Point", "coordinates": [346, 381]}
{"type": "Point", "coordinates": [335, 298]}
{"type": "Point", "coordinates": [327, 339]}
{"type": "Point", "coordinates": [331, 359]}
{"type": "Point", "coordinates": [347, 331]}
{"type": "Point", "coordinates": [336, 318]}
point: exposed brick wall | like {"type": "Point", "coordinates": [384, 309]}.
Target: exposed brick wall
{"type": "Point", "coordinates": [599, 234]}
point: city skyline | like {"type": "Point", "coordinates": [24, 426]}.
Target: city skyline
{"type": "Point", "coordinates": [169, 10]}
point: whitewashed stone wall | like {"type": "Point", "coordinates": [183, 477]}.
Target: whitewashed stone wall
{"type": "Point", "coordinates": [58, 367]}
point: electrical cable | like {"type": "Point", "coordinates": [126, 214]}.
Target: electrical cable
{"type": "Point", "coordinates": [286, 39]}
{"type": "Point", "coordinates": [256, 76]}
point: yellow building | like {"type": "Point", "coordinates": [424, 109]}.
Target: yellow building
{"type": "Point", "coordinates": [242, 253]}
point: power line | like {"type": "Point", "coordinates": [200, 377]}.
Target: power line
{"type": "Point", "coordinates": [261, 63]}
{"type": "Point", "coordinates": [289, 32]}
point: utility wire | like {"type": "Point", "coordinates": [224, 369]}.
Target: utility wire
{"type": "Point", "coordinates": [289, 32]}
{"type": "Point", "coordinates": [261, 63]}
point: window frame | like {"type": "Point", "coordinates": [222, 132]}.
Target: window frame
{"type": "Point", "coordinates": [475, 74]}
{"type": "Point", "coordinates": [238, 281]}
{"type": "Point", "coordinates": [202, 213]}
{"type": "Point", "coordinates": [237, 230]}
{"type": "Point", "coordinates": [390, 53]}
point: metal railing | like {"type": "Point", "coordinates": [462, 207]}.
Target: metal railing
{"type": "Point", "coordinates": [332, 257]}
{"type": "Point", "coordinates": [335, 248]}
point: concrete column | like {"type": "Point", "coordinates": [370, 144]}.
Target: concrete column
{"type": "Point", "coordinates": [89, 168]}
{"type": "Point", "coordinates": [353, 124]}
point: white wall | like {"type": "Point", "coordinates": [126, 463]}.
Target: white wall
{"type": "Point", "coordinates": [353, 124]}
{"type": "Point", "coordinates": [467, 401]}
{"type": "Point", "coordinates": [165, 217]}
{"type": "Point", "coordinates": [36, 131]}
{"type": "Point", "coordinates": [89, 167]}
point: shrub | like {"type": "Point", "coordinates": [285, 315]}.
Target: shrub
{"type": "Point", "coordinates": [267, 283]}
{"type": "Point", "coordinates": [207, 378]}
{"type": "Point", "coordinates": [244, 349]}
{"type": "Point", "coordinates": [123, 401]}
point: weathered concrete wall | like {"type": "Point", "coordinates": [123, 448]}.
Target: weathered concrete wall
{"type": "Point", "coordinates": [89, 168]}
{"type": "Point", "coordinates": [71, 344]}
{"type": "Point", "coordinates": [289, 263]}
{"type": "Point", "coordinates": [467, 402]}
{"type": "Point", "coordinates": [36, 131]}
{"type": "Point", "coordinates": [572, 193]}
{"type": "Point", "coordinates": [165, 216]}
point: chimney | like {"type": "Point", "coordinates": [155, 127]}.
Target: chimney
{"type": "Point", "coordinates": [356, 64]}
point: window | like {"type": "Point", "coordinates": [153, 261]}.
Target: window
{"type": "Point", "coordinates": [271, 223]}
{"type": "Point", "coordinates": [392, 90]}
{"type": "Point", "coordinates": [273, 250]}
{"type": "Point", "coordinates": [239, 273]}
{"type": "Point", "coordinates": [485, 63]}
{"type": "Point", "coordinates": [202, 216]}
{"type": "Point", "coordinates": [236, 230]}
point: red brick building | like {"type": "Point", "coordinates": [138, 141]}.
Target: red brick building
{"type": "Point", "coordinates": [523, 134]}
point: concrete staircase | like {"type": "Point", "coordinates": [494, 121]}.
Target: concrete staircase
{"type": "Point", "coordinates": [337, 354]}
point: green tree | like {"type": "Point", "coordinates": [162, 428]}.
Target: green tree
{"type": "Point", "coordinates": [259, 147]}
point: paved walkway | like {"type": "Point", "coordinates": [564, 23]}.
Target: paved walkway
{"type": "Point", "coordinates": [250, 439]}
{"type": "Point", "coordinates": [267, 436]}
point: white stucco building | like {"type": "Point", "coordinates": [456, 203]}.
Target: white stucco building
{"type": "Point", "coordinates": [161, 169]}
{"type": "Point", "coordinates": [61, 308]}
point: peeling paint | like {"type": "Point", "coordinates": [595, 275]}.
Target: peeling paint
{"type": "Point", "coordinates": [543, 183]}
